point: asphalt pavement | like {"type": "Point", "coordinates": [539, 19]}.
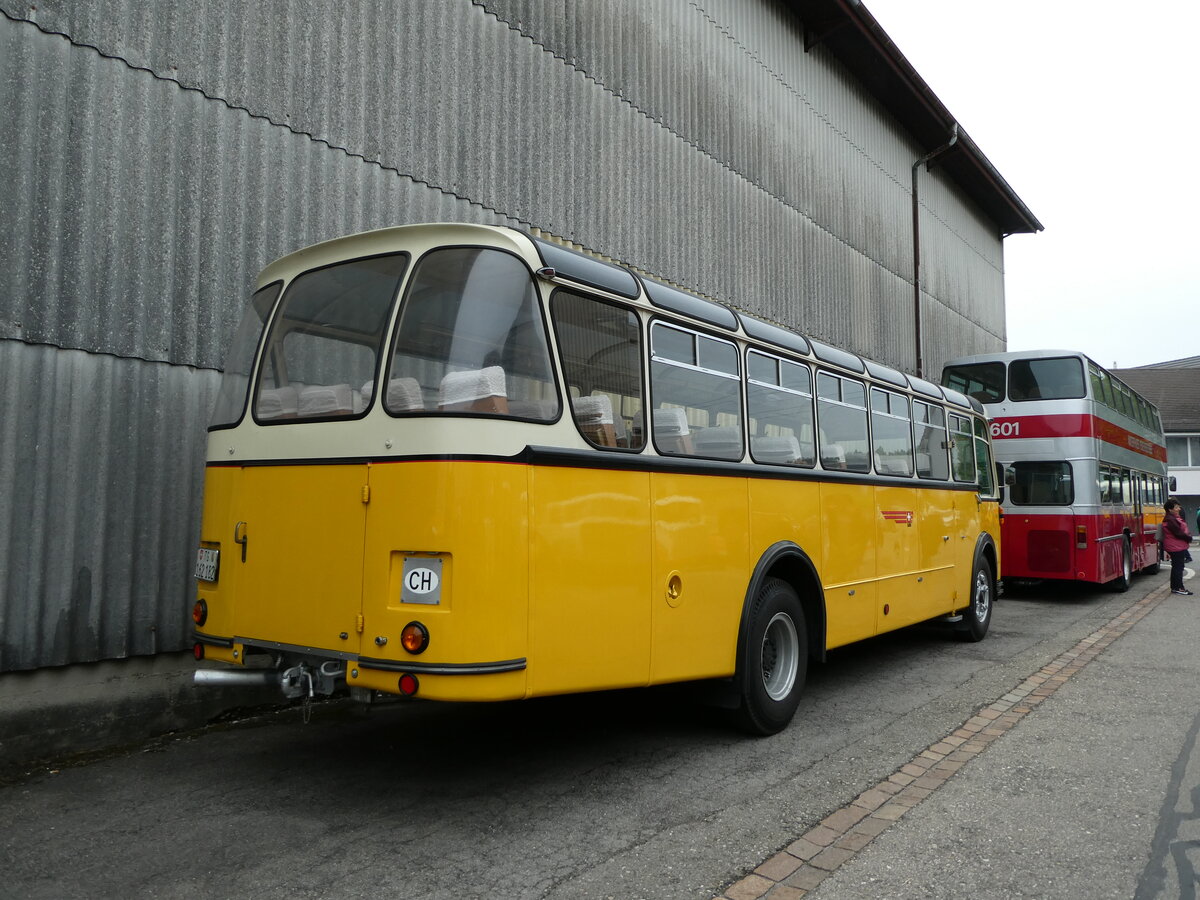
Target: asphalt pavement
{"type": "Point", "coordinates": [1082, 781]}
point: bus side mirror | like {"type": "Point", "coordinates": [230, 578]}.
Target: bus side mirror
{"type": "Point", "coordinates": [1171, 484]}
{"type": "Point", "coordinates": [1010, 477]}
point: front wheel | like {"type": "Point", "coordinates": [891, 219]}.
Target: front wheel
{"type": "Point", "coordinates": [774, 661]}
{"type": "Point", "coordinates": [978, 616]}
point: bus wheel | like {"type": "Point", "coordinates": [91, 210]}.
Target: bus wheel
{"type": "Point", "coordinates": [775, 661]}
{"type": "Point", "coordinates": [1121, 583]}
{"type": "Point", "coordinates": [978, 616]}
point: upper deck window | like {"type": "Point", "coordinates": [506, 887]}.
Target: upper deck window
{"type": "Point", "coordinates": [983, 381]}
{"type": "Point", "coordinates": [1058, 378]}
{"type": "Point", "coordinates": [471, 340]}
{"type": "Point", "coordinates": [325, 340]}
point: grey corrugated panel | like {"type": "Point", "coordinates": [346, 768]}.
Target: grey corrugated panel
{"type": "Point", "coordinates": [141, 211]}
{"type": "Point", "coordinates": [733, 82]}
{"type": "Point", "coordinates": [102, 464]}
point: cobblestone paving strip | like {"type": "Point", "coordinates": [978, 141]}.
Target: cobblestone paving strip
{"type": "Point", "coordinates": [812, 857]}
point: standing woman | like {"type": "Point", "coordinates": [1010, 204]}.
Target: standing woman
{"type": "Point", "coordinates": [1176, 538]}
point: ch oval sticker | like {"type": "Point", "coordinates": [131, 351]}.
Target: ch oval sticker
{"type": "Point", "coordinates": [422, 580]}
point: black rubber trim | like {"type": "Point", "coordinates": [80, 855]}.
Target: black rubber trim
{"type": "Point", "coordinates": [211, 639]}
{"type": "Point", "coordinates": [484, 668]}
{"type": "Point", "coordinates": [562, 457]}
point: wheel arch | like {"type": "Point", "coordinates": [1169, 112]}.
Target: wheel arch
{"type": "Point", "coordinates": [985, 548]}
{"type": "Point", "coordinates": [789, 563]}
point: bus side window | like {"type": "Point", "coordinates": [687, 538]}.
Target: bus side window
{"type": "Point", "coordinates": [842, 423]}
{"type": "Point", "coordinates": [601, 348]}
{"type": "Point", "coordinates": [695, 392]}
{"type": "Point", "coordinates": [891, 433]}
{"type": "Point", "coordinates": [983, 460]}
{"type": "Point", "coordinates": [929, 436]}
{"type": "Point", "coordinates": [962, 451]}
{"type": "Point", "coordinates": [780, 410]}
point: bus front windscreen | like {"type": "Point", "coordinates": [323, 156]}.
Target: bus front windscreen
{"type": "Point", "coordinates": [1058, 378]}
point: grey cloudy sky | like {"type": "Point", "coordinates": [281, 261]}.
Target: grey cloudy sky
{"type": "Point", "coordinates": [1089, 110]}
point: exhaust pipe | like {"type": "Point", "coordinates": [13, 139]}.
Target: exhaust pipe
{"type": "Point", "coordinates": [221, 677]}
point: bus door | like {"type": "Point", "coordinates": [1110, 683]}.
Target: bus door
{"type": "Point", "coordinates": [300, 530]}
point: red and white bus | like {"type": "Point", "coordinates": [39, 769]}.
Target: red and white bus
{"type": "Point", "coordinates": [1085, 465]}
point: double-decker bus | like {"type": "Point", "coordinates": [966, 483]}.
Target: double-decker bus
{"type": "Point", "coordinates": [464, 462]}
{"type": "Point", "coordinates": [1085, 467]}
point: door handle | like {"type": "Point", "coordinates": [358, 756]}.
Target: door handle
{"type": "Point", "coordinates": [240, 537]}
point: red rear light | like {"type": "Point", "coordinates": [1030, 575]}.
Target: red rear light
{"type": "Point", "coordinates": [414, 638]}
{"type": "Point", "coordinates": [409, 684]}
{"type": "Point", "coordinates": [200, 612]}
{"type": "Point", "coordinates": [1081, 537]}
{"type": "Point", "coordinates": [198, 651]}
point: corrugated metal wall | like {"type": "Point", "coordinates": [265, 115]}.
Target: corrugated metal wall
{"type": "Point", "coordinates": [160, 154]}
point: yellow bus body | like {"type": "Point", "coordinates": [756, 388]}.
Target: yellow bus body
{"type": "Point", "coordinates": [563, 560]}
{"type": "Point", "coordinates": [596, 578]}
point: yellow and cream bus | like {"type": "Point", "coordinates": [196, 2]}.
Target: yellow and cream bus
{"type": "Point", "coordinates": [461, 462]}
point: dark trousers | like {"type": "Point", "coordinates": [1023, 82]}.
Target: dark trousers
{"type": "Point", "coordinates": [1178, 557]}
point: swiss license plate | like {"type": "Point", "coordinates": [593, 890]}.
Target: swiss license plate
{"type": "Point", "coordinates": [208, 561]}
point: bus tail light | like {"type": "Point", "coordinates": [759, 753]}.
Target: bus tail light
{"type": "Point", "coordinates": [409, 684]}
{"type": "Point", "coordinates": [1081, 537]}
{"type": "Point", "coordinates": [414, 638]}
{"type": "Point", "coordinates": [198, 651]}
{"type": "Point", "coordinates": [200, 612]}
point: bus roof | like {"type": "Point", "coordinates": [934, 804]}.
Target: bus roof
{"type": "Point", "coordinates": [562, 261]}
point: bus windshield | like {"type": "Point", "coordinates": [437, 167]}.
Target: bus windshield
{"type": "Point", "coordinates": [1046, 379]}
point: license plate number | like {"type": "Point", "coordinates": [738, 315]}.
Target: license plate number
{"type": "Point", "coordinates": [208, 561]}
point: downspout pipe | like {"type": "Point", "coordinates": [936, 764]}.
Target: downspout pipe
{"type": "Point", "coordinates": [927, 161]}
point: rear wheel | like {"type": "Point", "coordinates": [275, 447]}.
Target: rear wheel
{"type": "Point", "coordinates": [774, 661]}
{"type": "Point", "coordinates": [978, 616]}
{"type": "Point", "coordinates": [1121, 583]}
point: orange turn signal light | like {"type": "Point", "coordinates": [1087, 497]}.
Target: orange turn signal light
{"type": "Point", "coordinates": [414, 638]}
{"type": "Point", "coordinates": [200, 612]}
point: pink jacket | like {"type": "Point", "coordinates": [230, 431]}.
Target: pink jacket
{"type": "Point", "coordinates": [1176, 536]}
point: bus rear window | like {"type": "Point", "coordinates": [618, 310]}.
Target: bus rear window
{"type": "Point", "coordinates": [1041, 484]}
{"type": "Point", "coordinates": [1060, 378]}
{"type": "Point", "coordinates": [239, 362]}
{"type": "Point", "coordinates": [325, 341]}
{"type": "Point", "coordinates": [983, 381]}
{"type": "Point", "coordinates": [472, 340]}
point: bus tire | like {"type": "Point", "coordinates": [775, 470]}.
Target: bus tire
{"type": "Point", "coordinates": [1121, 583]}
{"type": "Point", "coordinates": [775, 661]}
{"type": "Point", "coordinates": [977, 617]}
